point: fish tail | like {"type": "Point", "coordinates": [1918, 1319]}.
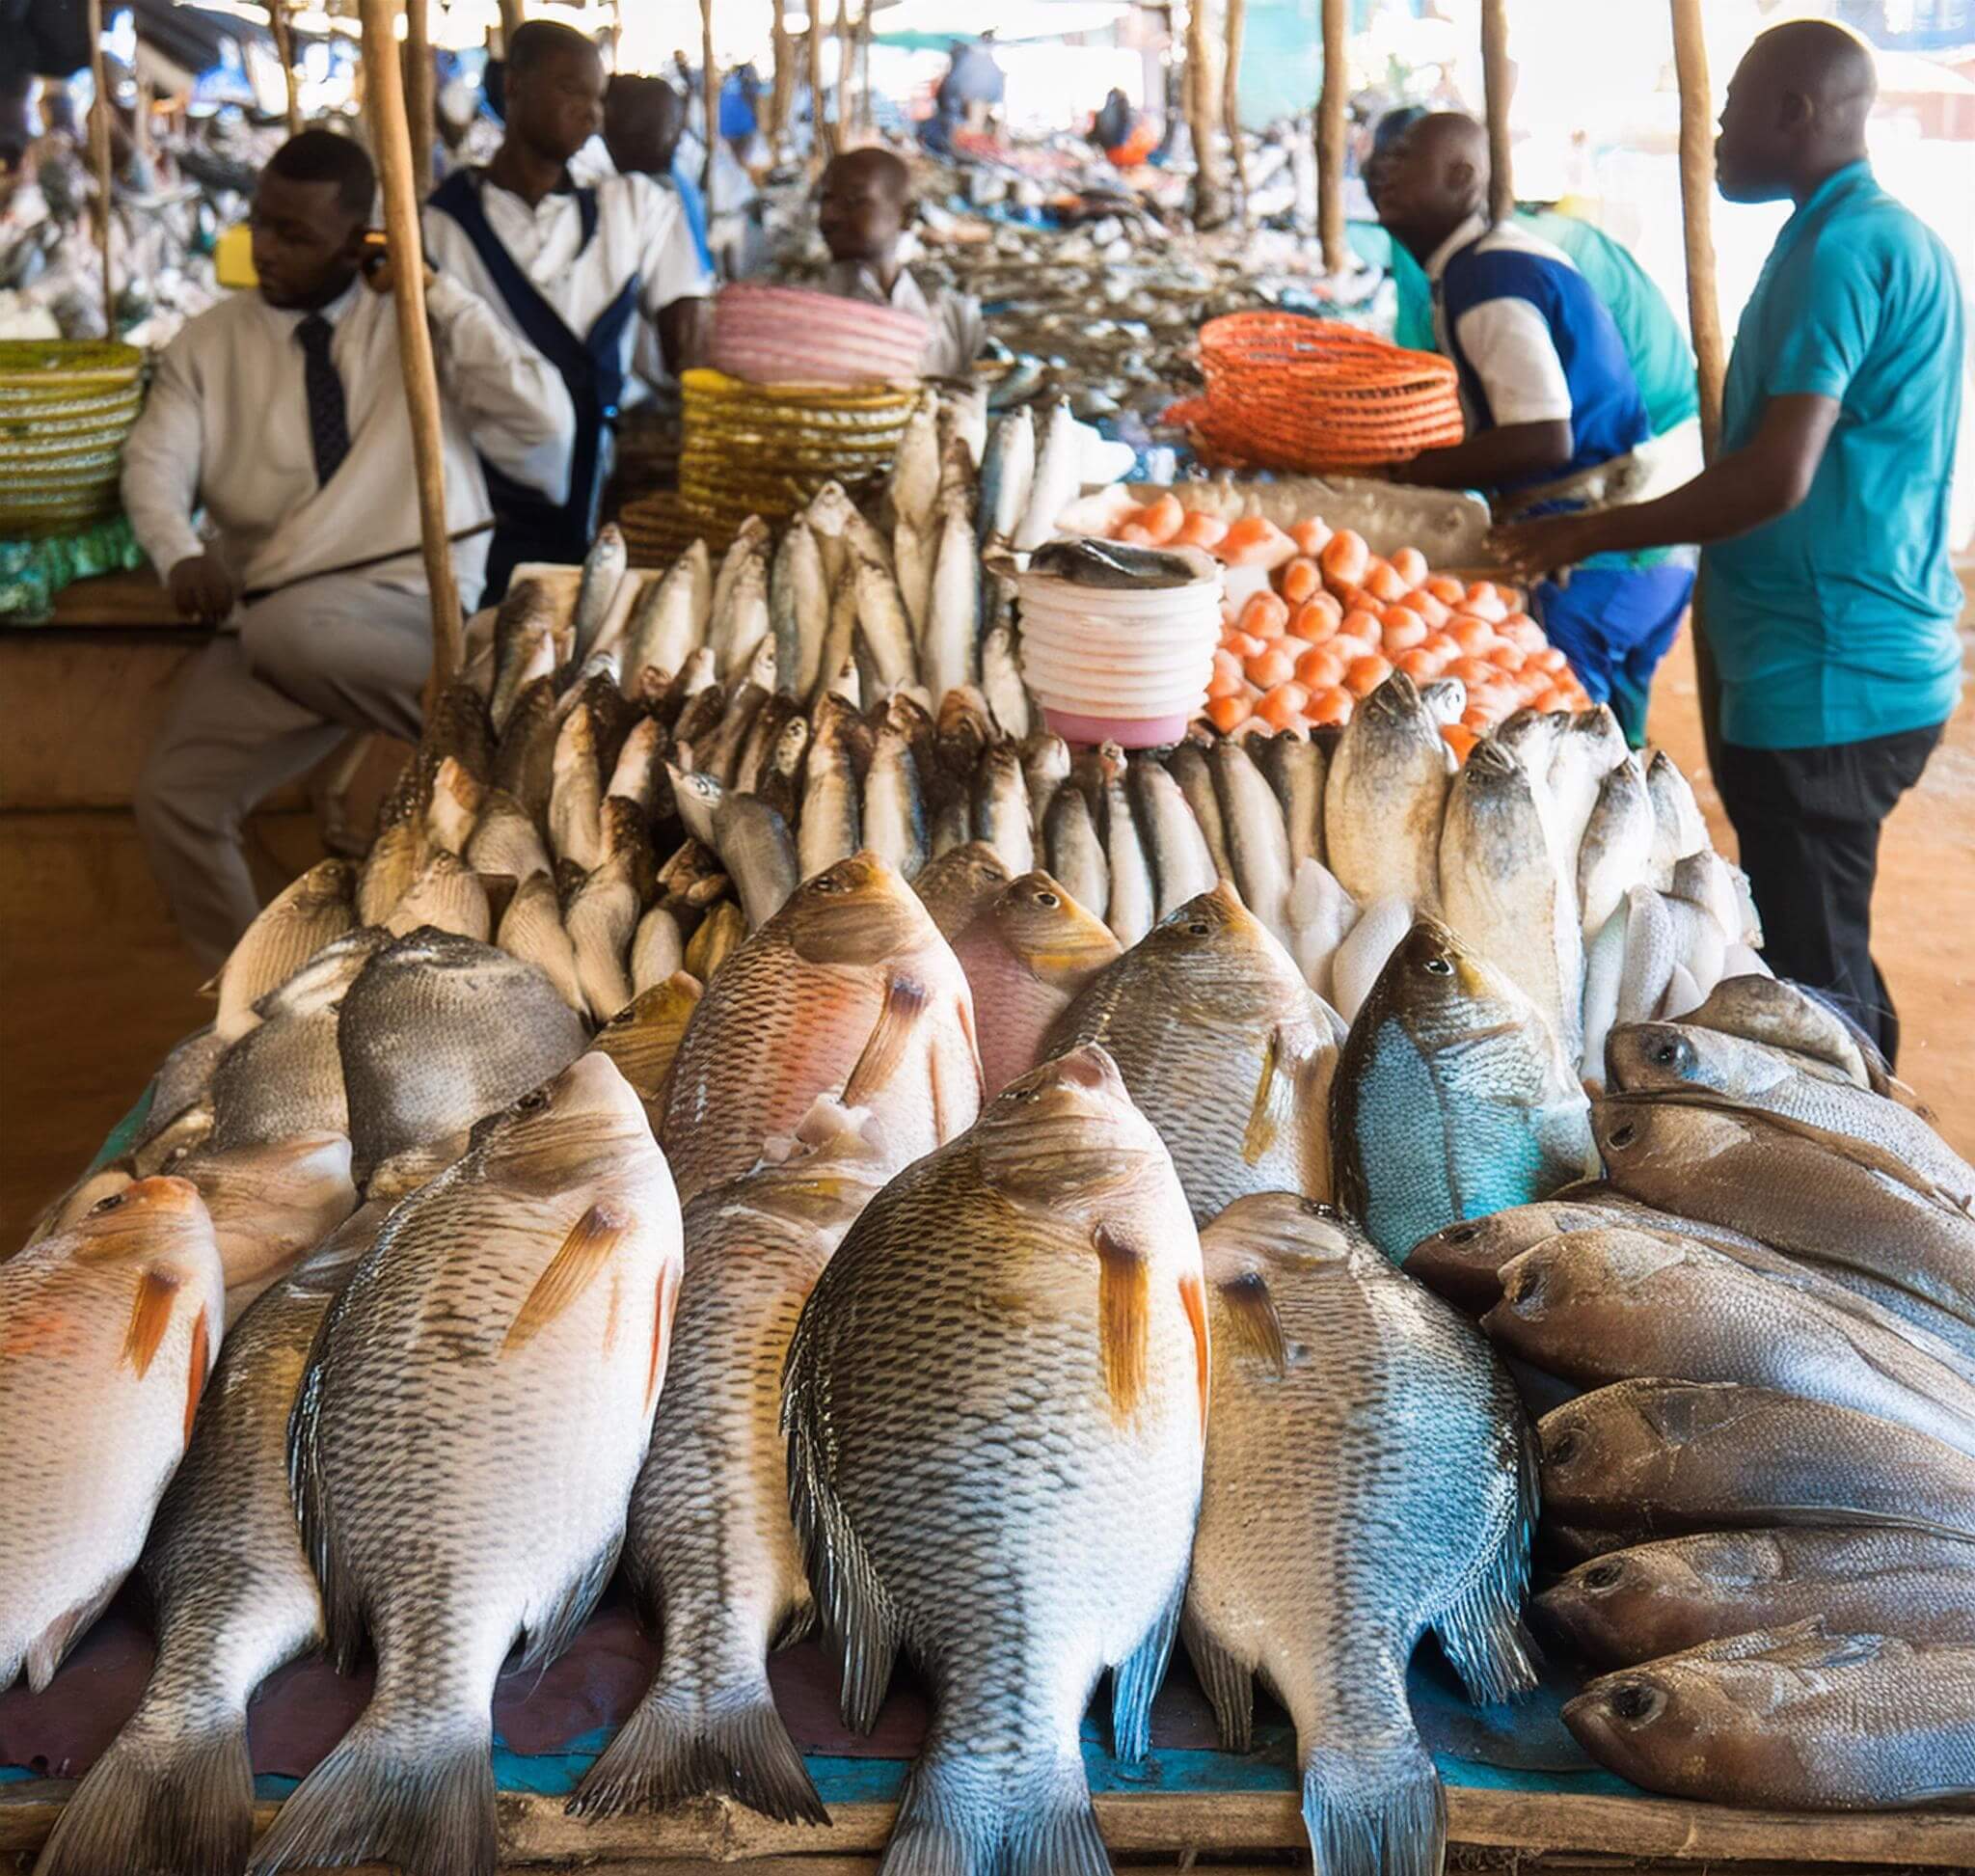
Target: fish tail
{"type": "Point", "coordinates": [159, 1800]}
{"type": "Point", "coordinates": [675, 1747]}
{"type": "Point", "coordinates": [424, 1804]}
{"type": "Point", "coordinates": [1481, 1631]}
{"type": "Point", "coordinates": [955, 1821]}
{"type": "Point", "coordinates": [1377, 1812]}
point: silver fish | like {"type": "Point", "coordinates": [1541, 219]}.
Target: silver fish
{"type": "Point", "coordinates": [1181, 864]}
{"type": "Point", "coordinates": [1076, 851]}
{"type": "Point", "coordinates": [1383, 796]}
{"type": "Point", "coordinates": [576, 805]}
{"type": "Point", "coordinates": [286, 934]}
{"type": "Point", "coordinates": [756, 848]}
{"type": "Point", "coordinates": [532, 929]}
{"type": "Point", "coordinates": [1007, 473]}
{"type": "Point", "coordinates": [1132, 909]}
{"type": "Point", "coordinates": [1189, 766]}
{"type": "Point", "coordinates": [506, 842]}
{"type": "Point", "coordinates": [894, 807]}
{"type": "Point", "coordinates": [601, 917]}
{"type": "Point", "coordinates": [448, 896]}
{"type": "Point", "coordinates": [1616, 851]}
{"type": "Point", "coordinates": [798, 610]}
{"type": "Point", "coordinates": [1257, 841]}
{"type": "Point", "coordinates": [1001, 808]}
{"type": "Point", "coordinates": [947, 653]}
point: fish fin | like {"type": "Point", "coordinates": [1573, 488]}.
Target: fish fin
{"type": "Point", "coordinates": [160, 1799]}
{"type": "Point", "coordinates": [956, 1818]}
{"type": "Point", "coordinates": [1230, 1687]}
{"type": "Point", "coordinates": [662, 1319]}
{"type": "Point", "coordinates": [1272, 1112]}
{"type": "Point", "coordinates": [196, 1367]}
{"type": "Point", "coordinates": [554, 1625]}
{"type": "Point", "coordinates": [343, 1606]}
{"type": "Point", "coordinates": [1136, 1679]}
{"type": "Point", "coordinates": [425, 1806]}
{"type": "Point", "coordinates": [1481, 1628]}
{"type": "Point", "coordinates": [591, 1241]}
{"type": "Point", "coordinates": [1124, 1316]}
{"type": "Point", "coordinates": [1192, 1299]}
{"type": "Point", "coordinates": [1053, 1830]}
{"type": "Point", "coordinates": [150, 1316]}
{"type": "Point", "coordinates": [1258, 1330]}
{"type": "Point", "coordinates": [794, 1627]}
{"type": "Point", "coordinates": [675, 1748]}
{"type": "Point", "coordinates": [210, 989]}
{"type": "Point", "coordinates": [50, 1647]}
{"type": "Point", "coordinates": [1374, 1809]}
{"type": "Point", "coordinates": [897, 1022]}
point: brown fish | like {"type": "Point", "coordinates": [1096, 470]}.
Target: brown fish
{"type": "Point", "coordinates": [956, 885]}
{"type": "Point", "coordinates": [286, 934]}
{"type": "Point", "coordinates": [645, 1036]}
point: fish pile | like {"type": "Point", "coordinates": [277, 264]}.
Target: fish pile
{"type": "Point", "coordinates": [1764, 1498]}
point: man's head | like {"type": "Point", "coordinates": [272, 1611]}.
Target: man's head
{"type": "Point", "coordinates": [1796, 111]}
{"type": "Point", "coordinates": [642, 120]}
{"type": "Point", "coordinates": [310, 214]}
{"type": "Point", "coordinates": [1432, 179]}
{"type": "Point", "coordinates": [554, 95]}
{"type": "Point", "coordinates": [866, 199]}
{"type": "Point", "coordinates": [1386, 134]}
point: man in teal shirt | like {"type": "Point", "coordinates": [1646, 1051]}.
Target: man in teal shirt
{"type": "Point", "coordinates": [1826, 587]}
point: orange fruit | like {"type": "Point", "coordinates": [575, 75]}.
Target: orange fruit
{"type": "Point", "coordinates": [1410, 564]}
{"type": "Point", "coordinates": [1228, 714]}
{"type": "Point", "coordinates": [1321, 668]}
{"type": "Point", "coordinates": [1266, 616]}
{"type": "Point", "coordinates": [1298, 578]}
{"type": "Point", "coordinates": [1283, 707]}
{"type": "Point", "coordinates": [1364, 675]}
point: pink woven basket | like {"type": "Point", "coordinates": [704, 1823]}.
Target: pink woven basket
{"type": "Point", "coordinates": [789, 334]}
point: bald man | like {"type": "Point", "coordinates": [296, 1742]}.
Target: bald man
{"type": "Point", "coordinates": [1826, 591]}
{"type": "Point", "coordinates": [1556, 420]}
{"type": "Point", "coordinates": [862, 210]}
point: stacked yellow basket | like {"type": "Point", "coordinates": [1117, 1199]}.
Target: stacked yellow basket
{"type": "Point", "coordinates": [64, 410]}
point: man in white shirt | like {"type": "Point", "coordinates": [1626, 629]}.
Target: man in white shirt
{"type": "Point", "coordinates": [865, 202]}
{"type": "Point", "coordinates": [283, 414]}
{"type": "Point", "coordinates": [572, 270]}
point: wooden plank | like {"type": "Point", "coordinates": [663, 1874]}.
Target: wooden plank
{"type": "Point", "coordinates": [1330, 105]}
{"type": "Point", "coordinates": [1496, 79]}
{"type": "Point", "coordinates": [134, 599]}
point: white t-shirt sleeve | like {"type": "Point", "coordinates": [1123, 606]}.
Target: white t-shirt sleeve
{"type": "Point", "coordinates": [1509, 345]}
{"type": "Point", "coordinates": [669, 263]}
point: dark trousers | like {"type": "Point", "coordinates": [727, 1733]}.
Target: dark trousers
{"type": "Point", "coordinates": [1808, 822]}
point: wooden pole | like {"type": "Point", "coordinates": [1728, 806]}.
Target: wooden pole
{"type": "Point", "coordinates": [710, 91]}
{"type": "Point", "coordinates": [824, 143]}
{"type": "Point", "coordinates": [100, 157]}
{"type": "Point", "coordinates": [392, 138]}
{"type": "Point", "coordinates": [140, 123]}
{"type": "Point", "coordinates": [781, 104]}
{"type": "Point", "coordinates": [1496, 82]}
{"type": "Point", "coordinates": [1210, 183]}
{"type": "Point", "coordinates": [284, 51]}
{"type": "Point", "coordinates": [1231, 97]}
{"type": "Point", "coordinates": [842, 71]}
{"type": "Point", "coordinates": [511, 16]}
{"type": "Point", "coordinates": [419, 83]}
{"type": "Point", "coordinates": [1330, 138]}
{"type": "Point", "coordinates": [865, 115]}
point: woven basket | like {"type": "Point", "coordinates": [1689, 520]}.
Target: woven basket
{"type": "Point", "coordinates": [64, 410]}
{"type": "Point", "coordinates": [1290, 393]}
{"type": "Point", "coordinates": [788, 335]}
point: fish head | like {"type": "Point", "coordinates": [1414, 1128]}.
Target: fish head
{"type": "Point", "coordinates": [1056, 939]}
{"type": "Point", "coordinates": [1658, 1057]}
{"type": "Point", "coordinates": [1209, 950]}
{"type": "Point", "coordinates": [575, 741]}
{"type": "Point", "coordinates": [859, 911]}
{"type": "Point", "coordinates": [1653, 1137]}
{"type": "Point", "coordinates": [644, 1036]}
{"type": "Point", "coordinates": [1602, 1602]}
{"type": "Point", "coordinates": [963, 718]}
{"type": "Point", "coordinates": [1463, 1261]}
{"type": "Point", "coordinates": [1068, 1136]}
{"type": "Point", "coordinates": [1444, 992]}
{"type": "Point", "coordinates": [454, 781]}
{"type": "Point", "coordinates": [1571, 1283]}
{"type": "Point", "coordinates": [956, 885]}
{"type": "Point", "coordinates": [576, 1125]}
{"type": "Point", "coordinates": [328, 883]}
{"type": "Point", "coordinates": [1637, 1724]}
{"type": "Point", "coordinates": [132, 1219]}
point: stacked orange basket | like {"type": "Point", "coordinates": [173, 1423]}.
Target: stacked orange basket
{"type": "Point", "coordinates": [1286, 391]}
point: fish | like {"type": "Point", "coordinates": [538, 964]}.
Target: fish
{"type": "Point", "coordinates": [740, 619]}
{"type": "Point", "coordinates": [552, 1255]}
{"type": "Point", "coordinates": [1678, 829]}
{"type": "Point", "coordinates": [454, 807]}
{"type": "Point", "coordinates": [603, 568]}
{"type": "Point", "coordinates": [1449, 1101]}
{"type": "Point", "coordinates": [1616, 851]}
{"type": "Point", "coordinates": [1669, 1455]}
{"type": "Point", "coordinates": [1189, 766]}
{"type": "Point", "coordinates": [995, 1400]}
{"type": "Point", "coordinates": [758, 852]}
{"type": "Point", "coordinates": [829, 827]}
{"type": "Point", "coordinates": [1057, 479]}
{"type": "Point", "coordinates": [109, 1329]}
{"type": "Point", "coordinates": [1181, 865]}
{"type": "Point", "coordinates": [696, 794]}
{"type": "Point", "coordinates": [1008, 471]}
{"type": "Point", "coordinates": [1046, 767]}
{"type": "Point", "coordinates": [1708, 881]}
{"type": "Point", "coordinates": [1132, 908]}
{"type": "Point", "coordinates": [840, 635]}
{"type": "Point", "coordinates": [1652, 949]}
{"type": "Point", "coordinates": [1365, 950]}
{"type": "Point", "coordinates": [1699, 957]}
{"type": "Point", "coordinates": [1503, 891]}
{"type": "Point", "coordinates": [1321, 916]}
{"type": "Point", "coordinates": [525, 760]}
{"type": "Point", "coordinates": [668, 623]}
{"type": "Point", "coordinates": [1322, 1443]}
{"type": "Point", "coordinates": [709, 1550]}
{"type": "Point", "coordinates": [531, 930]}
{"type": "Point", "coordinates": [1605, 961]}
{"type": "Point", "coordinates": [644, 1036]}
{"type": "Point", "coordinates": [1791, 1720]}
{"type": "Point", "coordinates": [1001, 680]}
{"type": "Point", "coordinates": [521, 626]}
{"type": "Point", "coordinates": [714, 940]}
{"type": "Point", "coordinates": [912, 552]}
{"type": "Point", "coordinates": [1786, 1016]}
{"type": "Point", "coordinates": [445, 896]}
{"type": "Point", "coordinates": [637, 774]}
{"type": "Point", "coordinates": [1224, 1046]}
{"type": "Point", "coordinates": [1590, 748]}
{"type": "Point", "coordinates": [232, 1597]}
{"type": "Point", "coordinates": [962, 734]}
{"type": "Point", "coordinates": [915, 480]}
{"type": "Point", "coordinates": [893, 816]}
{"type": "Point", "coordinates": [1296, 768]}
{"type": "Point", "coordinates": [785, 763]}
{"type": "Point", "coordinates": [719, 752]}
{"type": "Point", "coordinates": [1658, 1599]}
{"type": "Point", "coordinates": [438, 1031]}
{"type": "Point", "coordinates": [658, 948]}
{"type": "Point", "coordinates": [1384, 797]}
{"type": "Point", "coordinates": [286, 932]}
{"type": "Point", "coordinates": [966, 412]}
{"type": "Point", "coordinates": [1619, 1304]}
{"type": "Point", "coordinates": [576, 795]}
{"type": "Point", "coordinates": [600, 917]}
{"type": "Point", "coordinates": [884, 627]}
{"type": "Point", "coordinates": [1076, 850]}
{"type": "Point", "coordinates": [506, 841]}
{"type": "Point", "coordinates": [1815, 1195]}
{"type": "Point", "coordinates": [786, 1018]}
{"type": "Point", "coordinates": [1257, 840]}
{"type": "Point", "coordinates": [1027, 952]}
{"type": "Point", "coordinates": [959, 884]}
{"type": "Point", "coordinates": [948, 655]}
{"type": "Point", "coordinates": [798, 609]}
{"type": "Point", "coordinates": [1001, 808]}
{"type": "Point", "coordinates": [283, 1077]}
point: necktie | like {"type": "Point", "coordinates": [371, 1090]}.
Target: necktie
{"type": "Point", "coordinates": [329, 422]}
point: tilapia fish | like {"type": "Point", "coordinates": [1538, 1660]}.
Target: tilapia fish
{"type": "Point", "coordinates": [1383, 798]}
{"type": "Point", "coordinates": [234, 1600]}
{"type": "Point", "coordinates": [789, 1011]}
{"type": "Point", "coordinates": [1225, 1049]}
{"type": "Point", "coordinates": [1452, 1099]}
{"type": "Point", "coordinates": [438, 1031]}
{"type": "Point", "coordinates": [645, 1036]}
{"type": "Point", "coordinates": [286, 934]}
{"type": "Point", "coordinates": [1666, 1456]}
{"type": "Point", "coordinates": [1637, 1605]}
{"type": "Point", "coordinates": [710, 1549]}
{"type": "Point", "coordinates": [956, 886]}
{"type": "Point", "coordinates": [995, 1400]}
{"type": "Point", "coordinates": [1793, 1720]}
{"type": "Point", "coordinates": [1027, 953]}
{"type": "Point", "coordinates": [465, 1437]}
{"type": "Point", "coordinates": [107, 1331]}
{"type": "Point", "coordinates": [1786, 1016]}
{"type": "Point", "coordinates": [1369, 1476]}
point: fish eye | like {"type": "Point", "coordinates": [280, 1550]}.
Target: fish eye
{"type": "Point", "coordinates": [1562, 1447]}
{"type": "Point", "coordinates": [1622, 1136]}
{"type": "Point", "coordinates": [106, 1204]}
{"type": "Point", "coordinates": [1667, 1053]}
{"type": "Point", "coordinates": [532, 1103]}
{"type": "Point", "coordinates": [1199, 928]}
{"type": "Point", "coordinates": [1603, 1576]}
{"type": "Point", "coordinates": [1637, 1701]}
{"type": "Point", "coordinates": [1317, 1209]}
{"type": "Point", "coordinates": [1439, 966]}
{"type": "Point", "coordinates": [1048, 899]}
{"type": "Point", "coordinates": [823, 883]}
{"type": "Point", "coordinates": [1461, 1233]}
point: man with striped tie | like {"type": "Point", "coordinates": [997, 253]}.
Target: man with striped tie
{"type": "Point", "coordinates": [281, 415]}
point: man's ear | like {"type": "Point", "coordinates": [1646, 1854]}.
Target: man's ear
{"type": "Point", "coordinates": [1796, 111]}
{"type": "Point", "coordinates": [1461, 175]}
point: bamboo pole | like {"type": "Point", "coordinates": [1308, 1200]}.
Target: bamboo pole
{"type": "Point", "coordinates": [842, 71]}
{"type": "Point", "coordinates": [419, 83]}
{"type": "Point", "coordinates": [393, 137]}
{"type": "Point", "coordinates": [1231, 97]}
{"type": "Point", "coordinates": [710, 91]}
{"type": "Point", "coordinates": [1210, 179]}
{"type": "Point", "coordinates": [1330, 138]}
{"type": "Point", "coordinates": [284, 51]}
{"type": "Point", "coordinates": [100, 157]}
{"type": "Point", "coordinates": [781, 104]}
{"type": "Point", "coordinates": [824, 145]}
{"type": "Point", "coordinates": [867, 116]}
{"type": "Point", "coordinates": [1496, 82]}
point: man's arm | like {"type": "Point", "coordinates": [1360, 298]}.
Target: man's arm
{"type": "Point", "coordinates": [1491, 458]}
{"type": "Point", "coordinates": [161, 460]}
{"type": "Point", "coordinates": [1763, 480]}
{"type": "Point", "coordinates": [674, 287]}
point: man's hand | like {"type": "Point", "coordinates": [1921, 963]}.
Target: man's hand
{"type": "Point", "coordinates": [378, 276]}
{"type": "Point", "coordinates": [202, 589]}
{"type": "Point", "coordinates": [1529, 549]}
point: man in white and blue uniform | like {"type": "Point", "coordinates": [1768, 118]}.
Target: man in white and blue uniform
{"type": "Point", "coordinates": [1556, 422]}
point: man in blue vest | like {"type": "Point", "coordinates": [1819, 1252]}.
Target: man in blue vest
{"type": "Point", "coordinates": [572, 270]}
{"type": "Point", "coordinates": [1826, 591]}
{"type": "Point", "coordinates": [1556, 419]}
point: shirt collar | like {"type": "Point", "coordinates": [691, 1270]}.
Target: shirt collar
{"type": "Point", "coordinates": [1467, 234]}
{"type": "Point", "coordinates": [1840, 182]}
{"type": "Point", "coordinates": [333, 312]}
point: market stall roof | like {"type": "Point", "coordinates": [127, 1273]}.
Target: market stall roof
{"type": "Point", "coordinates": [920, 24]}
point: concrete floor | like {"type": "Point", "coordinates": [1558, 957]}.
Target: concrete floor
{"type": "Point", "coordinates": [94, 987]}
